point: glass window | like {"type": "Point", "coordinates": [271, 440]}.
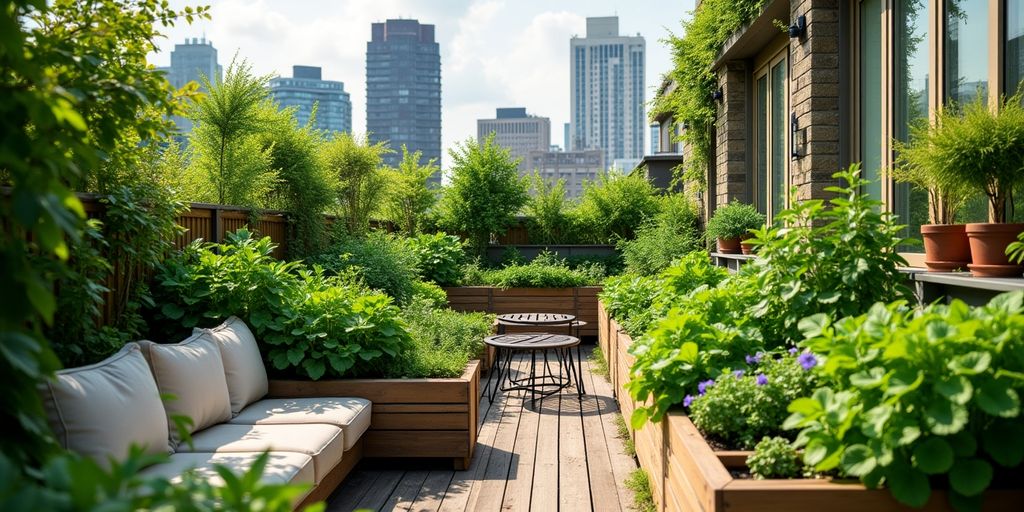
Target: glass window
{"type": "Point", "coordinates": [779, 131]}
{"type": "Point", "coordinates": [1014, 51]}
{"type": "Point", "coordinates": [761, 198]}
{"type": "Point", "coordinates": [911, 104]}
{"type": "Point", "coordinates": [871, 95]}
{"type": "Point", "coordinates": [966, 43]}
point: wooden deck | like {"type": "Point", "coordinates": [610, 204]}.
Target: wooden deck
{"type": "Point", "coordinates": [560, 453]}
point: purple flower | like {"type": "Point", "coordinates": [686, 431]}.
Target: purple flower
{"type": "Point", "coordinates": [703, 386]}
{"type": "Point", "coordinates": [762, 379]}
{"type": "Point", "coordinates": [792, 351]}
{"type": "Point", "coordinates": [687, 400]}
{"type": "Point", "coordinates": [738, 373]}
{"type": "Point", "coordinates": [754, 359]}
{"type": "Point", "coordinates": [807, 360]}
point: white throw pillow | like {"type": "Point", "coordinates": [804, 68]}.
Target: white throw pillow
{"type": "Point", "coordinates": [243, 365]}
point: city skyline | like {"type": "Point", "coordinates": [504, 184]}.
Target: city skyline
{"type": "Point", "coordinates": [493, 53]}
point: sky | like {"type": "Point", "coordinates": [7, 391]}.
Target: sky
{"type": "Point", "coordinates": [494, 53]}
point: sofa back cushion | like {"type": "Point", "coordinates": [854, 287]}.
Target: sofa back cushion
{"type": "Point", "coordinates": [193, 373]}
{"type": "Point", "coordinates": [100, 410]}
{"type": "Point", "coordinates": [243, 365]}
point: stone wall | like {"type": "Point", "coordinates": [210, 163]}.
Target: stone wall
{"type": "Point", "coordinates": [731, 135]}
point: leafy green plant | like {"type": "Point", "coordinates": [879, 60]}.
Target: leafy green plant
{"type": "Point", "coordinates": [485, 192]}
{"type": "Point", "coordinates": [439, 257]}
{"type": "Point", "coordinates": [546, 210]}
{"type": "Point", "coordinates": [545, 271]}
{"type": "Point", "coordinates": [918, 164]}
{"type": "Point", "coordinates": [429, 292]}
{"type": "Point", "coordinates": [914, 397]}
{"type": "Point", "coordinates": [408, 194]}
{"type": "Point", "coordinates": [733, 221]}
{"type": "Point", "coordinates": [382, 261]}
{"type": "Point", "coordinates": [443, 341]}
{"type": "Point", "coordinates": [774, 457]}
{"type": "Point", "coordinates": [614, 206]}
{"type": "Point", "coordinates": [659, 241]}
{"type": "Point", "coordinates": [643, 497]}
{"type": "Point", "coordinates": [628, 299]}
{"type": "Point", "coordinates": [1016, 249]}
{"type": "Point", "coordinates": [355, 164]}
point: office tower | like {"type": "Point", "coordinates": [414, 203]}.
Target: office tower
{"type": "Point", "coordinates": [575, 167]}
{"type": "Point", "coordinates": [305, 89]}
{"type": "Point", "coordinates": [190, 62]}
{"type": "Point", "coordinates": [607, 91]}
{"type": "Point", "coordinates": [518, 132]}
{"type": "Point", "coordinates": [403, 89]}
{"type": "Point", "coordinates": [565, 137]}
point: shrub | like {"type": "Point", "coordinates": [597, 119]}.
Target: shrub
{"type": "Point", "coordinates": [661, 240]}
{"type": "Point", "coordinates": [430, 293]}
{"type": "Point", "coordinates": [733, 221]}
{"type": "Point", "coordinates": [614, 206]}
{"type": "Point", "coordinates": [774, 457]}
{"type": "Point", "coordinates": [629, 299]}
{"type": "Point", "coordinates": [545, 271]}
{"type": "Point", "coordinates": [916, 397]}
{"type": "Point", "coordinates": [382, 261]}
{"type": "Point", "coordinates": [408, 194]}
{"type": "Point", "coordinates": [355, 164]}
{"type": "Point", "coordinates": [439, 257]}
{"type": "Point", "coordinates": [549, 222]}
{"type": "Point", "coordinates": [485, 192]}
{"type": "Point", "coordinates": [443, 341]}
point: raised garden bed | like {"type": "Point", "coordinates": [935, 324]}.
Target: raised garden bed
{"type": "Point", "coordinates": [422, 418]}
{"type": "Point", "coordinates": [581, 301]}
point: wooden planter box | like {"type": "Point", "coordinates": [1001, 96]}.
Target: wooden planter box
{"type": "Point", "coordinates": [581, 302]}
{"type": "Point", "coordinates": [430, 418]}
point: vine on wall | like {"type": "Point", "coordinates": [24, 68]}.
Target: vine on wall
{"type": "Point", "coordinates": [693, 55]}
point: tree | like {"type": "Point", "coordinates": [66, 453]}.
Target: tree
{"type": "Point", "coordinates": [228, 164]}
{"type": "Point", "coordinates": [546, 208]}
{"type": "Point", "coordinates": [355, 163]}
{"type": "Point", "coordinates": [409, 195]}
{"type": "Point", "coordinates": [486, 191]}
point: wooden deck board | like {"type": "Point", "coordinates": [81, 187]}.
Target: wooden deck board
{"type": "Point", "coordinates": [559, 453]}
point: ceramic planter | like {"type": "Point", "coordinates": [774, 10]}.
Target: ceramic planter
{"type": "Point", "coordinates": [729, 245]}
{"type": "Point", "coordinates": [988, 249]}
{"type": "Point", "coordinates": [746, 246]}
{"type": "Point", "coordinates": [946, 247]}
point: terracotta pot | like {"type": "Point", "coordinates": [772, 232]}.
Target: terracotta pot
{"type": "Point", "coordinates": [988, 249]}
{"type": "Point", "coordinates": [729, 245]}
{"type": "Point", "coordinates": [946, 247]}
{"type": "Point", "coordinates": [745, 246]}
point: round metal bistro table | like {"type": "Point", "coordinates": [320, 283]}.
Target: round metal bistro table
{"type": "Point", "coordinates": [546, 384]}
{"type": "Point", "coordinates": [547, 320]}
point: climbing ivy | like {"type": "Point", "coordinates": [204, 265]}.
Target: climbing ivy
{"type": "Point", "coordinates": [693, 55]}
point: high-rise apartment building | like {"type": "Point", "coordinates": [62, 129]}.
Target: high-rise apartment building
{"type": "Point", "coordinates": [518, 132]}
{"type": "Point", "coordinates": [575, 167]}
{"type": "Point", "coordinates": [190, 62]}
{"type": "Point", "coordinates": [403, 89]}
{"type": "Point", "coordinates": [607, 91]}
{"type": "Point", "coordinates": [305, 89]}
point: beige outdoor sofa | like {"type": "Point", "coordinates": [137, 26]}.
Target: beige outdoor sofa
{"type": "Point", "coordinates": [217, 379]}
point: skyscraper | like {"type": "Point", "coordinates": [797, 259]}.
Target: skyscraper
{"type": "Point", "coordinates": [607, 91]}
{"type": "Point", "coordinates": [306, 88]}
{"type": "Point", "coordinates": [403, 89]}
{"type": "Point", "coordinates": [518, 132]}
{"type": "Point", "coordinates": [575, 167]}
{"type": "Point", "coordinates": [191, 61]}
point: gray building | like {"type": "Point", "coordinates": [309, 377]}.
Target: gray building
{"type": "Point", "coordinates": [607, 91]}
{"type": "Point", "coordinates": [305, 89]}
{"type": "Point", "coordinates": [403, 89]}
{"type": "Point", "coordinates": [575, 167]}
{"type": "Point", "coordinates": [518, 132]}
{"type": "Point", "coordinates": [190, 62]}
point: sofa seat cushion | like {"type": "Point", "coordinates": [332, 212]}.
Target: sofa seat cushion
{"type": "Point", "coordinates": [282, 467]}
{"type": "Point", "coordinates": [100, 410]}
{"type": "Point", "coordinates": [352, 415]}
{"type": "Point", "coordinates": [243, 365]}
{"type": "Point", "coordinates": [323, 443]}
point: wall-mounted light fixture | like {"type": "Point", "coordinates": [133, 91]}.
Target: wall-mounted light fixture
{"type": "Point", "coordinates": [686, 125]}
{"type": "Point", "coordinates": [796, 137]}
{"type": "Point", "coordinates": [799, 27]}
{"type": "Point", "coordinates": [718, 95]}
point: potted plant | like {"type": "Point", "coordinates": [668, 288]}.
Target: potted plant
{"type": "Point", "coordinates": [984, 149]}
{"type": "Point", "coordinates": [732, 223]}
{"type": "Point", "coordinates": [946, 246]}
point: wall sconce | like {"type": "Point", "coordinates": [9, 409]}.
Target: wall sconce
{"type": "Point", "coordinates": [686, 125]}
{"type": "Point", "coordinates": [717, 95]}
{"type": "Point", "coordinates": [797, 137]}
{"type": "Point", "coordinates": [799, 27]}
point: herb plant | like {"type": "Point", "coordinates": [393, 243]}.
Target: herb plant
{"type": "Point", "coordinates": [733, 221]}
{"type": "Point", "coordinates": [439, 257]}
{"type": "Point", "coordinates": [382, 261]}
{"type": "Point", "coordinates": [443, 341]}
{"type": "Point", "coordinates": [671, 233]}
{"type": "Point", "coordinates": [774, 457]}
{"type": "Point", "coordinates": [614, 205]}
{"type": "Point", "coordinates": [914, 397]}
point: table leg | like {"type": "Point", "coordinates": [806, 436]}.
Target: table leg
{"type": "Point", "coordinates": [579, 374]}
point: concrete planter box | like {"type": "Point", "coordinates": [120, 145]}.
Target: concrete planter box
{"type": "Point", "coordinates": [433, 418]}
{"type": "Point", "coordinates": [581, 301]}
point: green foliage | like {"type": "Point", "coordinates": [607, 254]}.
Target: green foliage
{"type": "Point", "coordinates": [409, 196]}
{"type": "Point", "coordinates": [614, 206]}
{"type": "Point", "coordinates": [749, 403]}
{"type": "Point", "coordinates": [733, 221]}
{"type": "Point", "coordinates": [228, 163]}
{"type": "Point", "coordinates": [74, 85]}
{"type": "Point", "coordinates": [485, 192]}
{"type": "Point", "coordinates": [545, 271]}
{"type": "Point", "coordinates": [643, 497]}
{"type": "Point", "coordinates": [919, 164]}
{"type": "Point", "coordinates": [977, 146]}
{"type": "Point", "coordinates": [430, 293]}
{"type": "Point", "coordinates": [774, 457]}
{"type": "Point", "coordinates": [598, 364]}
{"type": "Point", "coordinates": [382, 261]}
{"type": "Point", "coordinates": [836, 257]}
{"type": "Point", "coordinates": [439, 257]}
{"type": "Point", "coordinates": [664, 238]}
{"type": "Point", "coordinates": [916, 396]}
{"type": "Point", "coordinates": [693, 57]}
{"type": "Point", "coordinates": [309, 324]}
{"type": "Point", "coordinates": [355, 165]}
{"type": "Point", "coordinates": [549, 222]}
{"type": "Point", "coordinates": [443, 341]}
{"type": "Point", "coordinates": [1015, 250]}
